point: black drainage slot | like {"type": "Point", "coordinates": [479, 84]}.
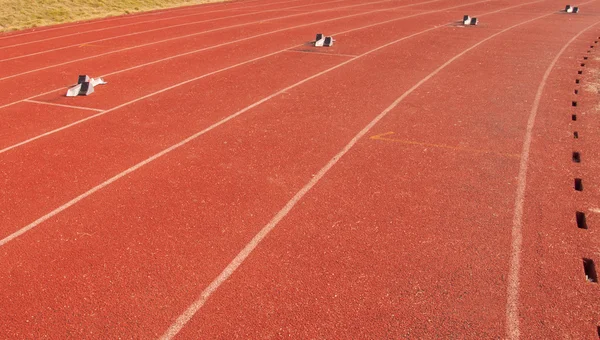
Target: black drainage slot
{"type": "Point", "coordinates": [576, 91]}
{"type": "Point", "coordinates": [581, 222]}
{"type": "Point", "coordinates": [573, 117]}
{"type": "Point", "coordinates": [576, 135]}
{"type": "Point", "coordinates": [576, 81]}
{"type": "Point", "coordinates": [585, 58]}
{"type": "Point", "coordinates": [580, 72]}
{"type": "Point", "coordinates": [598, 330]}
{"type": "Point", "coordinates": [590, 270]}
{"type": "Point", "coordinates": [578, 184]}
{"type": "Point", "coordinates": [573, 103]}
{"type": "Point", "coordinates": [582, 65]}
{"type": "Point", "coordinates": [576, 156]}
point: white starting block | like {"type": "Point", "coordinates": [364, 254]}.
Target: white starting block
{"type": "Point", "coordinates": [467, 20]}
{"type": "Point", "coordinates": [570, 9]}
{"type": "Point", "coordinates": [322, 40]}
{"type": "Point", "coordinates": [85, 86]}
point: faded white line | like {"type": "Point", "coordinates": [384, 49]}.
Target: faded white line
{"type": "Point", "coordinates": [63, 105]}
{"type": "Point", "coordinates": [247, 250]}
{"type": "Point", "coordinates": [512, 301]}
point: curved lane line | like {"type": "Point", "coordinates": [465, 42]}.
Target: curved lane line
{"type": "Point", "coordinates": [512, 301]}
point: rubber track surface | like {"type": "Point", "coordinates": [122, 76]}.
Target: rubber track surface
{"type": "Point", "coordinates": [419, 179]}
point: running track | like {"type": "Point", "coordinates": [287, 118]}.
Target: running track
{"type": "Point", "coordinates": [418, 179]}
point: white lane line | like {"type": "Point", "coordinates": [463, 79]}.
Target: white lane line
{"type": "Point", "coordinates": [142, 32]}
{"type": "Point", "coordinates": [62, 105]}
{"type": "Point", "coordinates": [187, 315]}
{"type": "Point", "coordinates": [173, 38]}
{"type": "Point", "coordinates": [189, 139]}
{"type": "Point", "coordinates": [135, 16]}
{"type": "Point", "coordinates": [208, 74]}
{"type": "Point", "coordinates": [512, 301]}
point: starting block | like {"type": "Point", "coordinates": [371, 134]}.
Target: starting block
{"type": "Point", "coordinates": [570, 9]}
{"type": "Point", "coordinates": [85, 86]}
{"type": "Point", "coordinates": [322, 40]}
{"type": "Point", "coordinates": [467, 20]}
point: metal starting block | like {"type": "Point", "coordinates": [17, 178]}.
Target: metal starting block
{"type": "Point", "coordinates": [570, 9]}
{"type": "Point", "coordinates": [85, 86]}
{"type": "Point", "coordinates": [467, 20]}
{"type": "Point", "coordinates": [322, 40]}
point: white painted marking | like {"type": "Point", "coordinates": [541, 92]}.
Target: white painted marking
{"type": "Point", "coordinates": [63, 105]}
{"type": "Point", "coordinates": [595, 210]}
{"type": "Point", "coordinates": [512, 302]}
{"type": "Point", "coordinates": [247, 250]}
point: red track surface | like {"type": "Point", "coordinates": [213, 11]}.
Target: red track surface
{"type": "Point", "coordinates": [415, 180]}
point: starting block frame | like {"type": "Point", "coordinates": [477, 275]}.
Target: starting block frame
{"type": "Point", "coordinates": [321, 40]}
{"type": "Point", "coordinates": [85, 86]}
{"type": "Point", "coordinates": [571, 9]}
{"type": "Point", "coordinates": [467, 20]}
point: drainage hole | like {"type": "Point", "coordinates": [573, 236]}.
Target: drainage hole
{"type": "Point", "coordinates": [581, 222]}
{"type": "Point", "coordinates": [576, 91]}
{"type": "Point", "coordinates": [582, 65]}
{"type": "Point", "coordinates": [576, 155]}
{"type": "Point", "coordinates": [576, 81]}
{"type": "Point", "coordinates": [585, 58]}
{"type": "Point", "coordinates": [590, 270]}
{"type": "Point", "coordinates": [576, 135]}
{"type": "Point", "coordinates": [573, 103]}
{"type": "Point", "coordinates": [573, 117]}
{"type": "Point", "coordinates": [578, 184]}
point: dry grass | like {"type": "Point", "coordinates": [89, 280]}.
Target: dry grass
{"type": "Point", "coordinates": [19, 14]}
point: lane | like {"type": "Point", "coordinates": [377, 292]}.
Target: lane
{"type": "Point", "coordinates": [212, 195]}
{"type": "Point", "coordinates": [401, 240]}
{"type": "Point", "coordinates": [54, 31]}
